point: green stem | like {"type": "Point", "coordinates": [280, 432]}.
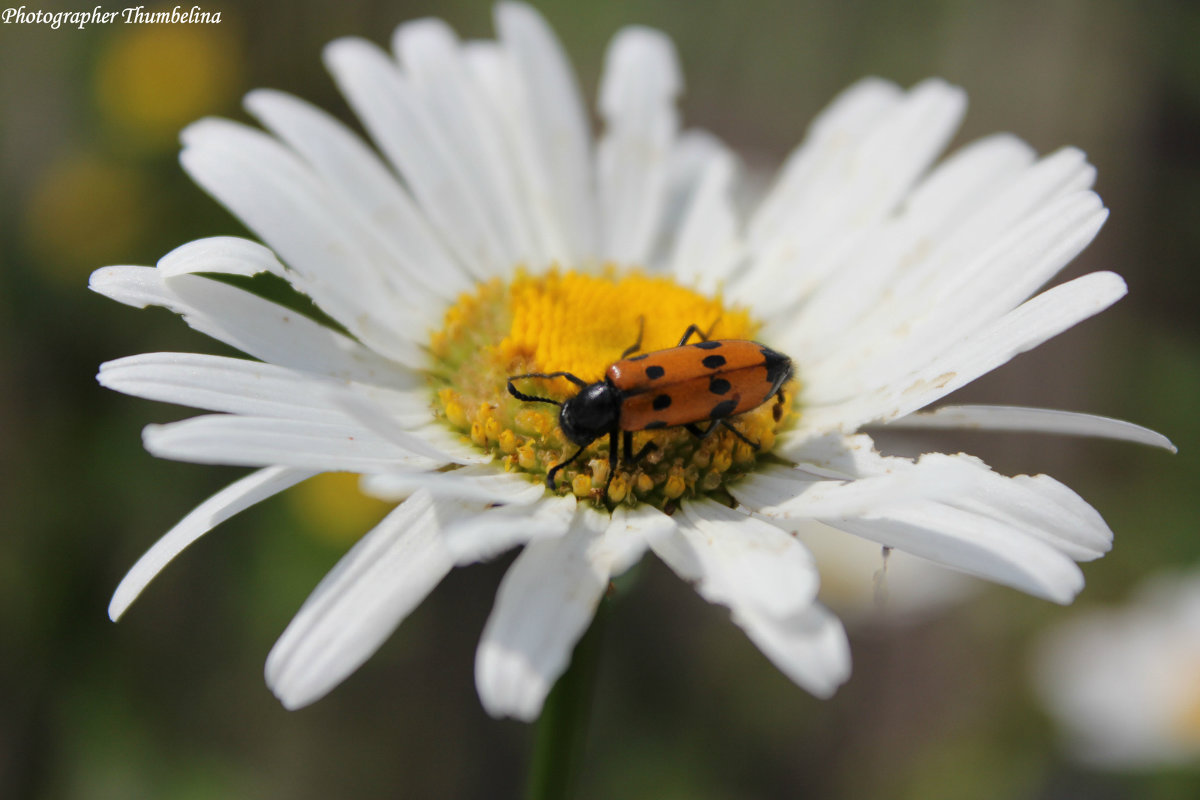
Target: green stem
{"type": "Point", "coordinates": [562, 729]}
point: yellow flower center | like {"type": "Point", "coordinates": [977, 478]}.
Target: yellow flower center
{"type": "Point", "coordinates": [570, 322]}
{"type": "Point", "coordinates": [1185, 722]}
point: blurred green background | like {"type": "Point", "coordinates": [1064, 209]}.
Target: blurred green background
{"type": "Point", "coordinates": [170, 703]}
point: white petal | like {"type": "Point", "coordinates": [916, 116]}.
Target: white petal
{"type": "Point", "coordinates": [266, 441]}
{"type": "Point", "coordinates": [378, 419]}
{"type": "Point", "coordinates": [279, 197]}
{"type": "Point", "coordinates": [926, 313]}
{"type": "Point", "coordinates": [1033, 420]}
{"type": "Point", "coordinates": [986, 190]}
{"type": "Point", "coordinates": [494, 72]}
{"type": "Point", "coordinates": [786, 493]}
{"type": "Point", "coordinates": [810, 646]}
{"type": "Point", "coordinates": [1022, 531]}
{"type": "Point", "coordinates": [975, 544]}
{"type": "Point", "coordinates": [769, 587]}
{"type": "Point", "coordinates": [544, 605]}
{"type": "Point", "coordinates": [547, 600]}
{"type": "Point", "coordinates": [433, 60]}
{"type": "Point", "coordinates": [967, 179]}
{"type": "Point", "coordinates": [231, 500]}
{"type": "Point", "coordinates": [1023, 328]}
{"type": "Point", "coordinates": [839, 457]}
{"type": "Point", "coordinates": [255, 326]}
{"type": "Point", "coordinates": [1063, 172]}
{"type": "Point", "coordinates": [480, 483]}
{"type": "Point", "coordinates": [363, 183]}
{"type": "Point", "coordinates": [407, 133]}
{"type": "Point", "coordinates": [558, 129]}
{"type": "Point", "coordinates": [968, 234]}
{"type": "Point", "coordinates": [229, 255]}
{"type": "Point", "coordinates": [936, 209]}
{"type": "Point", "coordinates": [494, 530]}
{"type": "Point", "coordinates": [637, 100]}
{"type": "Point", "coordinates": [832, 135]}
{"type": "Point", "coordinates": [1031, 193]}
{"type": "Point", "coordinates": [629, 534]}
{"type": "Point", "coordinates": [242, 386]}
{"type": "Point", "coordinates": [1043, 508]}
{"type": "Point", "coordinates": [334, 256]}
{"type": "Point", "coordinates": [358, 604]}
{"type": "Point", "coordinates": [866, 178]}
{"type": "Point", "coordinates": [706, 243]}
{"type": "Point", "coordinates": [456, 446]}
{"type": "Point", "coordinates": [1037, 507]}
{"type": "Point", "coordinates": [739, 561]}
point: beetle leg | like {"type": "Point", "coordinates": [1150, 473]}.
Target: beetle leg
{"type": "Point", "coordinates": [736, 432]}
{"type": "Point", "coordinates": [694, 328]}
{"type": "Point", "coordinates": [630, 456]}
{"type": "Point", "coordinates": [633, 348]}
{"type": "Point", "coordinates": [554, 470]}
{"type": "Point", "coordinates": [696, 431]}
{"type": "Point", "coordinates": [777, 409]}
{"type": "Point", "coordinates": [613, 456]}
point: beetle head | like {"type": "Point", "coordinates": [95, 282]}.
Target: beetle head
{"type": "Point", "coordinates": [596, 410]}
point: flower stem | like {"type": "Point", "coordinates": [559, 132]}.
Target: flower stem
{"type": "Point", "coordinates": [562, 729]}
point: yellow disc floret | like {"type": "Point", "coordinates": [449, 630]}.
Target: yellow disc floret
{"type": "Point", "coordinates": [570, 322]}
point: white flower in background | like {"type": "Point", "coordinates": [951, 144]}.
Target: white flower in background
{"type": "Point", "coordinates": [1124, 683]}
{"type": "Point", "coordinates": [496, 237]}
{"type": "Point", "coordinates": [867, 587]}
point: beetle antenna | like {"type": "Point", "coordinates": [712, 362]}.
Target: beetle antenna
{"type": "Point", "coordinates": [580, 382]}
{"type": "Point", "coordinates": [528, 398]}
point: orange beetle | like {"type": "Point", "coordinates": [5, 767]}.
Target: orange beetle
{"type": "Point", "coordinates": [709, 381]}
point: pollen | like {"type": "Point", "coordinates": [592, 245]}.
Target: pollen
{"type": "Point", "coordinates": [580, 324]}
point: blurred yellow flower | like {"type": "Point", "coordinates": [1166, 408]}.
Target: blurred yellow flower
{"type": "Point", "coordinates": [155, 79]}
{"type": "Point", "coordinates": [334, 508]}
{"type": "Point", "coordinates": [83, 209]}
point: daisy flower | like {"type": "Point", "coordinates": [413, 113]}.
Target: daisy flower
{"type": "Point", "coordinates": [1124, 683]}
{"type": "Point", "coordinates": [488, 234]}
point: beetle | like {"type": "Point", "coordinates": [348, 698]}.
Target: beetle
{"type": "Point", "coordinates": [708, 381]}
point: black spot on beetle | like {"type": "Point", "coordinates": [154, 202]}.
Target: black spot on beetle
{"type": "Point", "coordinates": [661, 401]}
{"type": "Point", "coordinates": [719, 386]}
{"type": "Point", "coordinates": [712, 362]}
{"type": "Point", "coordinates": [658, 423]}
{"type": "Point", "coordinates": [723, 409]}
{"type": "Point", "coordinates": [713, 345]}
{"type": "Point", "coordinates": [654, 372]}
